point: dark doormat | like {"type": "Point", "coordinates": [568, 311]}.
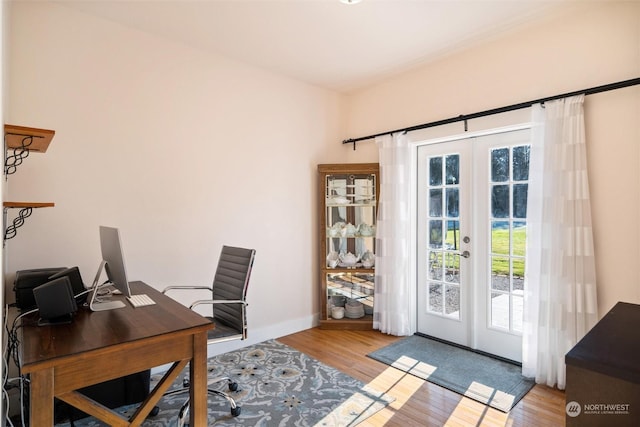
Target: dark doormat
{"type": "Point", "coordinates": [494, 382]}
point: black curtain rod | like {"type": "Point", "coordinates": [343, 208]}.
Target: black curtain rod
{"type": "Point", "coordinates": [465, 117]}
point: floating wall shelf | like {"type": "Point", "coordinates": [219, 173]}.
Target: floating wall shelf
{"type": "Point", "coordinates": [26, 209]}
{"type": "Point", "coordinates": [23, 140]}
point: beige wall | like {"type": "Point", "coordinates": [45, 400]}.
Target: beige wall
{"type": "Point", "coordinates": [183, 151]}
{"type": "Point", "coordinates": [595, 45]}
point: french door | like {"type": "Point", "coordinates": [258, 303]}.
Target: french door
{"type": "Point", "coordinates": [472, 199]}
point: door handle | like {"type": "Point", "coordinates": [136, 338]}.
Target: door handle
{"type": "Point", "coordinates": [464, 254]}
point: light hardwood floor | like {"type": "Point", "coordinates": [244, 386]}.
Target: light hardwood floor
{"type": "Point", "coordinates": [420, 403]}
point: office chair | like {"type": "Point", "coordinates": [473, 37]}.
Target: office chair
{"type": "Point", "coordinates": [228, 303]}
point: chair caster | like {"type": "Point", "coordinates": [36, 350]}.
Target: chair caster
{"type": "Point", "coordinates": [235, 411]}
{"type": "Point", "coordinates": [155, 411]}
{"type": "Point", "coordinates": [233, 386]}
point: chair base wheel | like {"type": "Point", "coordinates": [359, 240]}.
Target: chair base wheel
{"type": "Point", "coordinates": [233, 386]}
{"type": "Point", "coordinates": [234, 412]}
{"type": "Point", "coordinates": [155, 411]}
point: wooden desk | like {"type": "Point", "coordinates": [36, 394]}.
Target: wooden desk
{"type": "Point", "coordinates": [99, 346]}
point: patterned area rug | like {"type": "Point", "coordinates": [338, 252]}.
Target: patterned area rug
{"type": "Point", "coordinates": [278, 386]}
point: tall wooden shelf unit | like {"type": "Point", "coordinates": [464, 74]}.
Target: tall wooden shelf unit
{"type": "Point", "coordinates": [21, 141]}
{"type": "Point", "coordinates": [348, 197]}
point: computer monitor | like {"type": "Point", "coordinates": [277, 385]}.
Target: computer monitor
{"type": "Point", "coordinates": [113, 263]}
{"type": "Point", "coordinates": [113, 257]}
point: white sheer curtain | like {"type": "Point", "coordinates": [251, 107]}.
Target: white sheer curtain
{"type": "Point", "coordinates": [560, 300]}
{"type": "Point", "coordinates": [392, 280]}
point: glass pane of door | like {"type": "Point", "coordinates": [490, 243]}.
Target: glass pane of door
{"type": "Point", "coordinates": [444, 225]}
{"type": "Point", "coordinates": [509, 184]}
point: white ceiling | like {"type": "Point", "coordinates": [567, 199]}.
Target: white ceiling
{"type": "Point", "coordinates": [324, 42]}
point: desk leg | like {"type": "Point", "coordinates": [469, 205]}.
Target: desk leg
{"type": "Point", "coordinates": [41, 396]}
{"type": "Point", "coordinates": [198, 374]}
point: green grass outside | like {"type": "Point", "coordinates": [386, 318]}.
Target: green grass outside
{"type": "Point", "coordinates": [500, 246]}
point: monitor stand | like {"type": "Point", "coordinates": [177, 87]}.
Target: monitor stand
{"type": "Point", "coordinates": [101, 305]}
{"type": "Point", "coordinates": [105, 305]}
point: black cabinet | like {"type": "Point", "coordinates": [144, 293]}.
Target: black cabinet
{"type": "Point", "coordinates": [603, 372]}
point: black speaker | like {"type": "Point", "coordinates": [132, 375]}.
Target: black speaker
{"type": "Point", "coordinates": [55, 301]}
{"type": "Point", "coordinates": [77, 285]}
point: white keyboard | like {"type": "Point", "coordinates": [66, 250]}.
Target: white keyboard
{"type": "Point", "coordinates": [140, 300]}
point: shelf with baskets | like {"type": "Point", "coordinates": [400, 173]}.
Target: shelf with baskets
{"type": "Point", "coordinates": [348, 195]}
{"type": "Point", "coordinates": [19, 141]}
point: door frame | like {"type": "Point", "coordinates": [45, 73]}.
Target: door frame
{"type": "Point", "coordinates": [414, 145]}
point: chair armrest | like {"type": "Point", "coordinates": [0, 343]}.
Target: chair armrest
{"type": "Point", "coordinates": [168, 288]}
{"type": "Point", "coordinates": [218, 301]}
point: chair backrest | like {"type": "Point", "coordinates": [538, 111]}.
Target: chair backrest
{"type": "Point", "coordinates": [230, 283]}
